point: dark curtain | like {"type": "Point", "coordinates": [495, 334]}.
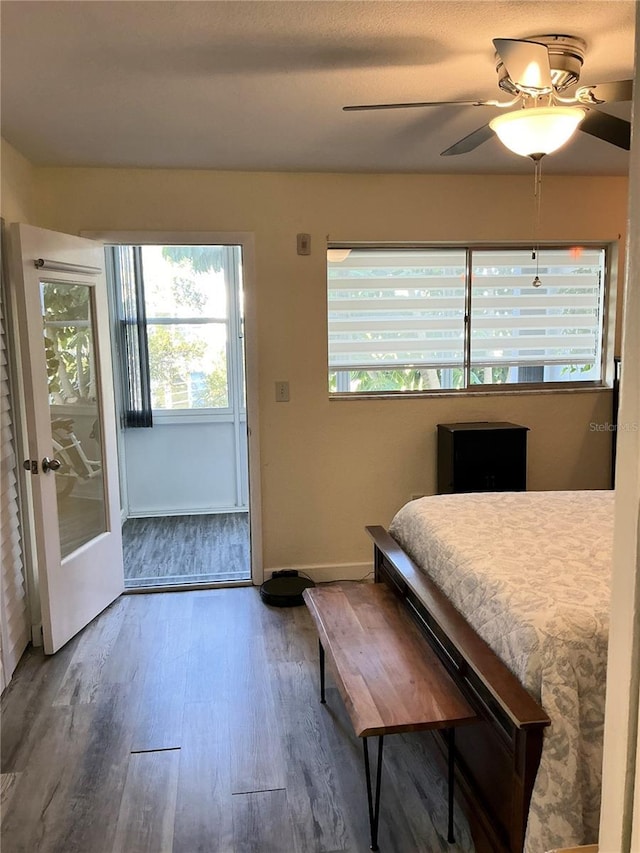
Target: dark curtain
{"type": "Point", "coordinates": [132, 333]}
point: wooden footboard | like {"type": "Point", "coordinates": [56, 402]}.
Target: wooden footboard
{"type": "Point", "coordinates": [497, 758]}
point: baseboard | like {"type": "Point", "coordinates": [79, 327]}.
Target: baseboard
{"type": "Point", "coordinates": [332, 572]}
{"type": "Point", "coordinates": [163, 513]}
{"type": "Point", "coordinates": [36, 634]}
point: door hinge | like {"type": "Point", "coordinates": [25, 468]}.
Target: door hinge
{"type": "Point", "coordinates": [30, 465]}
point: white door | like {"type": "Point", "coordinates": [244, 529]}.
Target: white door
{"type": "Point", "coordinates": [61, 301]}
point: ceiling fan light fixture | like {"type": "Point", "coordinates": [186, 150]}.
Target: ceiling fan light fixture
{"type": "Point", "coordinates": [538, 130]}
{"type": "Point", "coordinates": [566, 56]}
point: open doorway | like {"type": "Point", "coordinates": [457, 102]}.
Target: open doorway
{"type": "Point", "coordinates": [180, 365]}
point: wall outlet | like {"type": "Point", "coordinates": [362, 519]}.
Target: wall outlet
{"type": "Point", "coordinates": [282, 392]}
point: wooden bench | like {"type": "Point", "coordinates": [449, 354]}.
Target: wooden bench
{"type": "Point", "coordinates": [496, 760]}
{"type": "Point", "coordinates": [389, 678]}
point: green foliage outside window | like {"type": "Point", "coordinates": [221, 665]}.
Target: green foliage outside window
{"type": "Point", "coordinates": [180, 353]}
{"type": "Point", "coordinates": [68, 343]}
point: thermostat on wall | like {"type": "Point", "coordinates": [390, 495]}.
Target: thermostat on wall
{"type": "Point", "coordinates": [304, 244]}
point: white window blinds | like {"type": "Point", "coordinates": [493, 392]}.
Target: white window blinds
{"type": "Point", "coordinates": [397, 309]}
{"type": "Point", "coordinates": [403, 310]}
{"type": "Point", "coordinates": [558, 323]}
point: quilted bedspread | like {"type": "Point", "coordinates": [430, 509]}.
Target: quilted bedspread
{"type": "Point", "coordinates": [530, 572]}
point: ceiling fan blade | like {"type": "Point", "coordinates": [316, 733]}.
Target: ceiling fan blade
{"type": "Point", "coordinates": [469, 142]}
{"type": "Point", "coordinates": [599, 93]}
{"type": "Point", "coordinates": [612, 129]}
{"type": "Point", "coordinates": [527, 63]}
{"type": "Point", "coordinates": [353, 107]}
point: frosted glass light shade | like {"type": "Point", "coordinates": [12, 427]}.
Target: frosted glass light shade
{"type": "Point", "coordinates": [539, 130]}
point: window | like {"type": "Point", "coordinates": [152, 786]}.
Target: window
{"type": "Point", "coordinates": [429, 319]}
{"type": "Point", "coordinates": [187, 327]}
{"type": "Point", "coordinates": [189, 303]}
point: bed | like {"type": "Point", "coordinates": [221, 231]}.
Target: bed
{"type": "Point", "coordinates": [512, 590]}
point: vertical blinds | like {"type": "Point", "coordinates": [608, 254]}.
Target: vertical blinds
{"type": "Point", "coordinates": [394, 308]}
{"type": "Point", "coordinates": [132, 337]}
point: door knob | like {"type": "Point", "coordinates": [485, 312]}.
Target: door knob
{"type": "Point", "coordinates": [50, 464]}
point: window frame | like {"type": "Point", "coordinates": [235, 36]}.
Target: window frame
{"type": "Point", "coordinates": [606, 331]}
{"type": "Point", "coordinates": [205, 411]}
{"type": "Point", "coordinates": [234, 323]}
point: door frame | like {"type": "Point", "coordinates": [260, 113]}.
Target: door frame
{"type": "Point", "coordinates": [246, 239]}
{"type": "Point", "coordinates": [19, 419]}
{"type": "Point", "coordinates": [15, 414]}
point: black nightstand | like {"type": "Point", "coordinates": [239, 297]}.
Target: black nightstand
{"type": "Point", "coordinates": [482, 456]}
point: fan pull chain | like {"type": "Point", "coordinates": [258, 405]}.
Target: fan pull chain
{"type": "Point", "coordinates": [537, 208]}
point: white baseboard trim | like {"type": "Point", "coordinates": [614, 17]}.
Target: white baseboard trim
{"type": "Point", "coordinates": [163, 513]}
{"type": "Point", "coordinates": [36, 634]}
{"type": "Point", "coordinates": [332, 572]}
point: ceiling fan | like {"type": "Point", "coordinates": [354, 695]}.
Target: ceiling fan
{"type": "Point", "coordinates": [536, 72]}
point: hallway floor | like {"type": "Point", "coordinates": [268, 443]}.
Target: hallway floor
{"type": "Point", "coordinates": [190, 722]}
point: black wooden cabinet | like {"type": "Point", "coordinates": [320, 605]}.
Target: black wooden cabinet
{"type": "Point", "coordinates": [482, 456]}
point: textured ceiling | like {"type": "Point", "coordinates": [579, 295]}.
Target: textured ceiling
{"type": "Point", "coordinates": [260, 85]}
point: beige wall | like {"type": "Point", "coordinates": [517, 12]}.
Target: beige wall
{"type": "Point", "coordinates": [16, 185]}
{"type": "Point", "coordinates": [330, 467]}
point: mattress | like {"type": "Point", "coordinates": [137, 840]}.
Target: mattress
{"type": "Point", "coordinates": [530, 572]}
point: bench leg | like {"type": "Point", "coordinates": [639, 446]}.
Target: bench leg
{"type": "Point", "coordinates": [374, 807]}
{"type": "Point", "coordinates": [321, 650]}
{"type": "Point", "coordinates": [451, 752]}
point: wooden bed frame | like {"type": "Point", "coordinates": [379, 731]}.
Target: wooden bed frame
{"type": "Point", "coordinates": [497, 758]}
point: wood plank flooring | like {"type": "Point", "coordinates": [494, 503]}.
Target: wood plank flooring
{"type": "Point", "coordinates": [186, 549]}
{"type": "Point", "coordinates": [190, 723]}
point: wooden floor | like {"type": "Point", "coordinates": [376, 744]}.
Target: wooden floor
{"type": "Point", "coordinates": [186, 549]}
{"type": "Point", "coordinates": [190, 723]}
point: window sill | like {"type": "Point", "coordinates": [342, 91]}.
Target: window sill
{"type": "Point", "coordinates": [493, 392]}
{"type": "Point", "coordinates": [166, 418]}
